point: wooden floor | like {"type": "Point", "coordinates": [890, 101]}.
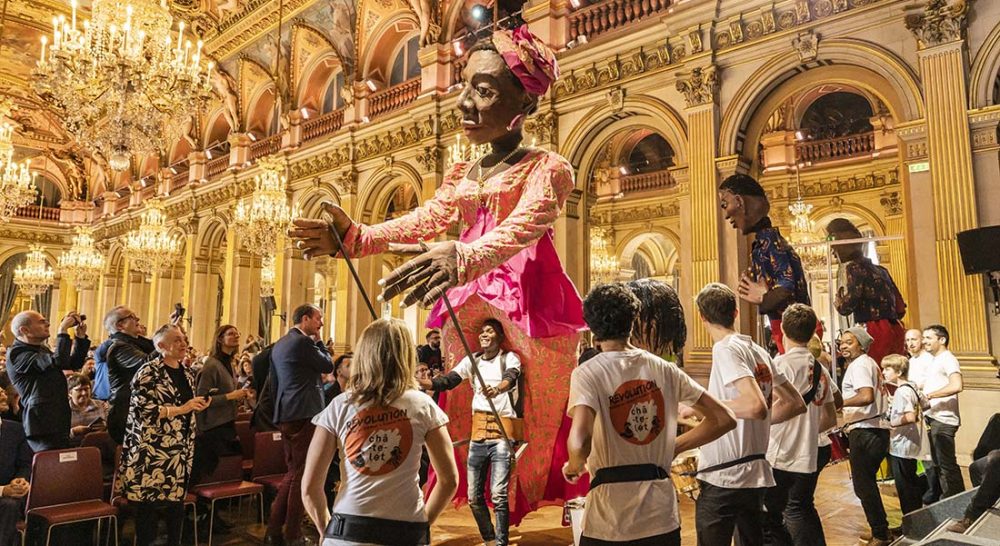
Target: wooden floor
{"type": "Point", "coordinates": [840, 511]}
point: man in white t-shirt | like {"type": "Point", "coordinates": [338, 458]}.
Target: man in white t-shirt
{"type": "Point", "coordinates": [941, 386]}
{"type": "Point", "coordinates": [732, 470]}
{"type": "Point", "coordinates": [793, 448]}
{"type": "Point", "coordinates": [920, 363]}
{"type": "Point", "coordinates": [623, 403]}
{"type": "Point", "coordinates": [867, 429]}
{"type": "Point", "coordinates": [489, 452]}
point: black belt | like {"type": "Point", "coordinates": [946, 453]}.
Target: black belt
{"type": "Point", "coordinates": [727, 464]}
{"type": "Point", "coordinates": [628, 473]}
{"type": "Point", "coordinates": [378, 531]}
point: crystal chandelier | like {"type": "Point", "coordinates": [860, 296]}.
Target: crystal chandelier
{"type": "Point", "coordinates": [16, 187]}
{"type": "Point", "coordinates": [152, 248]}
{"type": "Point", "coordinates": [82, 264]}
{"type": "Point", "coordinates": [802, 235]}
{"type": "Point", "coordinates": [261, 219]}
{"type": "Point", "coordinates": [121, 83]}
{"type": "Point", "coordinates": [267, 276]}
{"type": "Point", "coordinates": [603, 263]}
{"type": "Point", "coordinates": [35, 276]}
{"type": "Point", "coordinates": [461, 151]}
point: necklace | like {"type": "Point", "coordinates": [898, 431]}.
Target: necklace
{"type": "Point", "coordinates": [482, 179]}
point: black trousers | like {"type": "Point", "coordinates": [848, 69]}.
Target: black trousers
{"type": "Point", "coordinates": [721, 510]}
{"type": "Point", "coordinates": [801, 516]}
{"type": "Point", "coordinates": [869, 447]}
{"type": "Point", "coordinates": [987, 468]}
{"type": "Point", "coordinates": [210, 446]}
{"type": "Point", "coordinates": [909, 486]}
{"type": "Point", "coordinates": [47, 442]}
{"type": "Point", "coordinates": [949, 474]}
{"type": "Point", "coordinates": [673, 538]}
{"type": "Point", "coordinates": [147, 521]}
{"type": "Point", "coordinates": [10, 514]}
{"type": "Point", "coordinates": [791, 489]}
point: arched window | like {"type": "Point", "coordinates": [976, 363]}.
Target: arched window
{"type": "Point", "coordinates": [651, 154]}
{"type": "Point", "coordinates": [405, 65]}
{"type": "Point", "coordinates": [641, 267]}
{"type": "Point", "coordinates": [49, 194]}
{"type": "Point", "coordinates": [334, 97]}
{"type": "Point", "coordinates": [837, 114]}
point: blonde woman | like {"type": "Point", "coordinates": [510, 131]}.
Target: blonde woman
{"type": "Point", "coordinates": [382, 421]}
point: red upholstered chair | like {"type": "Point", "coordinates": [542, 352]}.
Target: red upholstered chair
{"type": "Point", "coordinates": [190, 501]}
{"type": "Point", "coordinates": [246, 444]}
{"type": "Point", "coordinates": [102, 441]}
{"type": "Point", "coordinates": [269, 466]}
{"type": "Point", "coordinates": [227, 483]}
{"type": "Point", "coordinates": [65, 489]}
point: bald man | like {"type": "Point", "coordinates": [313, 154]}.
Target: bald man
{"type": "Point", "coordinates": [37, 374]}
{"type": "Point", "coordinates": [919, 358]}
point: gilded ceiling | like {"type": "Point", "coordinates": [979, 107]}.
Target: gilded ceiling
{"type": "Point", "coordinates": [239, 36]}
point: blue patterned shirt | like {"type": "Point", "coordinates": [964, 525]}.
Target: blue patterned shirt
{"type": "Point", "coordinates": [775, 262]}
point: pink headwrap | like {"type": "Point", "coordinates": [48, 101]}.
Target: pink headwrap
{"type": "Point", "coordinates": [532, 62]}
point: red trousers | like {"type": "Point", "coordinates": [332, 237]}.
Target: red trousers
{"type": "Point", "coordinates": [287, 509]}
{"type": "Point", "coordinates": [887, 338]}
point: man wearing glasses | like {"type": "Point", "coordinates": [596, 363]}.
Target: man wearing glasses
{"type": "Point", "coordinates": [127, 351]}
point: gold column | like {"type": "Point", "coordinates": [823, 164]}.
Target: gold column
{"type": "Point", "coordinates": [895, 224]}
{"type": "Point", "coordinates": [152, 317]}
{"type": "Point", "coordinates": [940, 35]}
{"type": "Point", "coordinates": [279, 285]}
{"type": "Point", "coordinates": [699, 89]}
{"type": "Point", "coordinates": [67, 299]}
{"type": "Point", "coordinates": [123, 298]}
{"type": "Point", "coordinates": [345, 289]}
{"type": "Point", "coordinates": [187, 289]}
{"type": "Point", "coordinates": [229, 277]}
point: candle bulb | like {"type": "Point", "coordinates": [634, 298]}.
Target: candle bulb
{"type": "Point", "coordinates": [45, 42]}
{"type": "Point", "coordinates": [73, 4]}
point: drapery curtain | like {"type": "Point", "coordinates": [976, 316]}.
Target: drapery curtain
{"type": "Point", "coordinates": [43, 304]}
{"type": "Point", "coordinates": [8, 290]}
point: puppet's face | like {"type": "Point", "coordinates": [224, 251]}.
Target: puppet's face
{"type": "Point", "coordinates": [741, 211]}
{"type": "Point", "coordinates": [490, 99]}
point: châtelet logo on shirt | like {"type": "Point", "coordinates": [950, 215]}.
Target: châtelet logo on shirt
{"type": "Point", "coordinates": [762, 374]}
{"type": "Point", "coordinates": [378, 440]}
{"type": "Point", "coordinates": [637, 411]}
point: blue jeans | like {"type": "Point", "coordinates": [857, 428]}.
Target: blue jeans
{"type": "Point", "coordinates": [496, 456]}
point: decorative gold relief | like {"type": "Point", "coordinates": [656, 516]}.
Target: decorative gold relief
{"type": "Point", "coordinates": [699, 86]}
{"type": "Point", "coordinates": [939, 22]}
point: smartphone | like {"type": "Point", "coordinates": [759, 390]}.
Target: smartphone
{"type": "Point", "coordinates": [179, 309]}
{"type": "Point", "coordinates": [211, 393]}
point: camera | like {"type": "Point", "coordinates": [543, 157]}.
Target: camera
{"type": "Point", "coordinates": [179, 310]}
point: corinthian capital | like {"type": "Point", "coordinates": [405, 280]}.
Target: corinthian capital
{"type": "Point", "coordinates": [939, 22]}
{"type": "Point", "coordinates": [700, 86]}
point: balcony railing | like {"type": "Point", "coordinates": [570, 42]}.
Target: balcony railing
{"type": "Point", "coordinates": [392, 98]}
{"type": "Point", "coordinates": [266, 146]}
{"type": "Point", "coordinates": [326, 124]}
{"type": "Point", "coordinates": [608, 15]}
{"type": "Point", "coordinates": [31, 212]}
{"type": "Point", "coordinates": [646, 181]}
{"type": "Point", "coordinates": [217, 166]}
{"type": "Point", "coordinates": [814, 151]}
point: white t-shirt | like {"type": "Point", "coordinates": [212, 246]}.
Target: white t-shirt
{"type": "Point", "coordinates": [793, 443]}
{"type": "Point", "coordinates": [824, 436]}
{"type": "Point", "coordinates": [862, 373]}
{"type": "Point", "coordinates": [905, 440]}
{"type": "Point", "coordinates": [635, 395]}
{"type": "Point", "coordinates": [381, 448]}
{"type": "Point", "coordinates": [734, 357]}
{"type": "Point", "coordinates": [492, 375]}
{"type": "Point", "coordinates": [919, 366]}
{"type": "Point", "coordinates": [943, 410]}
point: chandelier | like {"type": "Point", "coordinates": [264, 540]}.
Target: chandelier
{"type": "Point", "coordinates": [802, 236]}
{"type": "Point", "coordinates": [35, 276]}
{"type": "Point", "coordinates": [267, 276]}
{"type": "Point", "coordinates": [603, 263]}
{"type": "Point", "coordinates": [152, 248]}
{"type": "Point", "coordinates": [82, 264]}
{"type": "Point", "coordinates": [261, 219]}
{"type": "Point", "coordinates": [16, 187]}
{"type": "Point", "coordinates": [122, 84]}
{"type": "Point", "coordinates": [461, 151]}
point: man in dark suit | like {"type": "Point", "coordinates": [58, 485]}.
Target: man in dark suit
{"type": "Point", "coordinates": [37, 374]}
{"type": "Point", "coordinates": [15, 469]}
{"type": "Point", "coordinates": [127, 352]}
{"type": "Point", "coordinates": [298, 361]}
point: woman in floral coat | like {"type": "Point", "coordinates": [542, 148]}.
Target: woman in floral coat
{"type": "Point", "coordinates": [159, 439]}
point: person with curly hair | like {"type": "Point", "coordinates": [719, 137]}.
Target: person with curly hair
{"type": "Point", "coordinates": [623, 403]}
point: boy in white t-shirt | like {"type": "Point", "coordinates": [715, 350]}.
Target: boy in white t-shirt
{"type": "Point", "coordinates": [793, 449]}
{"type": "Point", "coordinates": [732, 470]}
{"type": "Point", "coordinates": [623, 403]}
{"type": "Point", "coordinates": [907, 436]}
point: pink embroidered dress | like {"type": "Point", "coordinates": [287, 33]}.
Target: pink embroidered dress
{"type": "Point", "coordinates": [508, 269]}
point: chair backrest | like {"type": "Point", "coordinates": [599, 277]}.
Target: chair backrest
{"type": "Point", "coordinates": [102, 441]}
{"type": "Point", "coordinates": [229, 469]}
{"type": "Point", "coordinates": [268, 455]}
{"type": "Point", "coordinates": [246, 439]}
{"type": "Point", "coordinates": [63, 476]}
